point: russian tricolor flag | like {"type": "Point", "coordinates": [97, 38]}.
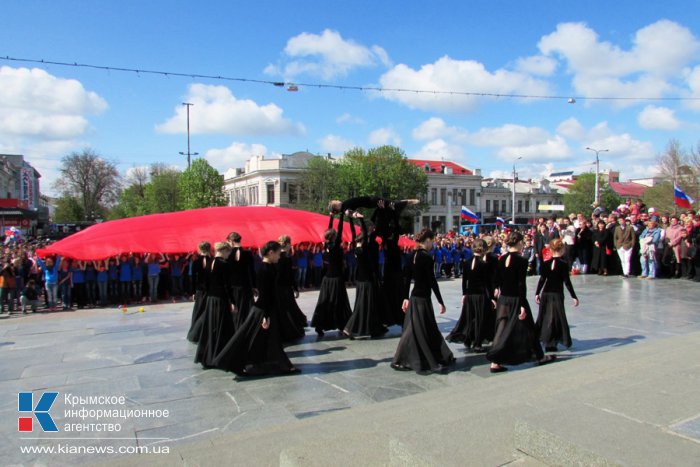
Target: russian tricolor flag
{"type": "Point", "coordinates": [682, 200]}
{"type": "Point", "coordinates": [500, 221]}
{"type": "Point", "coordinates": [469, 215]}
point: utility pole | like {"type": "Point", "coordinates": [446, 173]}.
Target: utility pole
{"type": "Point", "coordinates": [512, 221]}
{"type": "Point", "coordinates": [597, 173]}
{"type": "Point", "coordinates": [189, 154]}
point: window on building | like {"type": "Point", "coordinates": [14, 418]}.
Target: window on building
{"type": "Point", "coordinates": [426, 222]}
{"type": "Point", "coordinates": [472, 197]}
{"type": "Point", "coordinates": [520, 205]}
{"type": "Point", "coordinates": [503, 205]}
{"type": "Point", "coordinates": [284, 187]}
{"type": "Point", "coordinates": [253, 195]}
{"type": "Point", "coordinates": [488, 205]}
{"type": "Point", "coordinates": [270, 193]}
{"type": "Point", "coordinates": [527, 205]}
{"type": "Point", "coordinates": [537, 206]}
{"type": "Point", "coordinates": [433, 196]}
{"type": "Point", "coordinates": [293, 196]}
{"type": "Point", "coordinates": [455, 221]}
{"type": "Point", "coordinates": [443, 223]}
{"type": "Point", "coordinates": [455, 197]}
{"type": "Point", "coordinates": [443, 196]}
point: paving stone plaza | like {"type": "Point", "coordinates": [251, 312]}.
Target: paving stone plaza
{"type": "Point", "coordinates": [144, 357]}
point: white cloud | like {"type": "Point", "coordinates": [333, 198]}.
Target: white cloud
{"type": "Point", "coordinates": [571, 128]}
{"type": "Point", "coordinates": [447, 75]}
{"type": "Point", "coordinates": [384, 136]}
{"type": "Point", "coordinates": [234, 155]}
{"type": "Point", "coordinates": [658, 54]}
{"type": "Point", "coordinates": [658, 118]}
{"type": "Point", "coordinates": [435, 128]}
{"type": "Point", "coordinates": [509, 135]}
{"type": "Point", "coordinates": [327, 55]}
{"type": "Point", "coordinates": [536, 65]}
{"type": "Point", "coordinates": [335, 144]}
{"type": "Point", "coordinates": [440, 149]}
{"type": "Point", "coordinates": [217, 111]}
{"type": "Point", "coordinates": [348, 118]}
{"type": "Point", "coordinates": [693, 81]}
{"type": "Point", "coordinates": [44, 117]}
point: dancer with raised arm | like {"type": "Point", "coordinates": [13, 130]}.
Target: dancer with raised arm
{"type": "Point", "coordinates": [421, 347]}
{"type": "Point", "coordinates": [516, 340]}
{"type": "Point", "coordinates": [366, 319]}
{"type": "Point", "coordinates": [333, 307]}
{"type": "Point", "coordinates": [552, 324]}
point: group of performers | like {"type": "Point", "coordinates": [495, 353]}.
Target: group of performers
{"type": "Point", "coordinates": [241, 318]}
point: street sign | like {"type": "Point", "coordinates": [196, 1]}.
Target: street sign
{"type": "Point", "coordinates": [551, 207]}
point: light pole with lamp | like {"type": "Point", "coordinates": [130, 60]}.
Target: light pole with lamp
{"type": "Point", "coordinates": [189, 154]}
{"type": "Point", "coordinates": [597, 173]}
{"type": "Point", "coordinates": [512, 220]}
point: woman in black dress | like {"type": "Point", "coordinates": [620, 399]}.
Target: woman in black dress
{"type": "Point", "coordinates": [333, 306]}
{"type": "Point", "coordinates": [421, 347]}
{"type": "Point", "coordinates": [516, 340]}
{"type": "Point", "coordinates": [292, 319]}
{"type": "Point", "coordinates": [217, 325]}
{"type": "Point", "coordinates": [200, 268]}
{"type": "Point", "coordinates": [366, 319]}
{"type": "Point", "coordinates": [477, 321]}
{"type": "Point", "coordinates": [256, 347]}
{"type": "Point", "coordinates": [241, 265]}
{"type": "Point", "coordinates": [599, 262]}
{"type": "Point", "coordinates": [551, 320]}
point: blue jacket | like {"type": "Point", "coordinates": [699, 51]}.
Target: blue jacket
{"type": "Point", "coordinates": [50, 275]}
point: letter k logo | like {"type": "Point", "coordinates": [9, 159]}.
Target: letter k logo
{"type": "Point", "coordinates": [41, 411]}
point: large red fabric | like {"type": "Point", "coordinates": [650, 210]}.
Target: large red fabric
{"type": "Point", "coordinates": [179, 232]}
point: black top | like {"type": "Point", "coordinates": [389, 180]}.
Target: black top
{"type": "Point", "coordinates": [200, 268]}
{"type": "Point", "coordinates": [511, 272]}
{"type": "Point", "coordinates": [601, 236]}
{"type": "Point", "coordinates": [333, 252]}
{"type": "Point", "coordinates": [554, 275]}
{"type": "Point", "coordinates": [242, 268]}
{"type": "Point", "coordinates": [219, 279]}
{"type": "Point", "coordinates": [366, 254]}
{"type": "Point", "coordinates": [285, 272]}
{"type": "Point", "coordinates": [420, 269]}
{"type": "Point", "coordinates": [266, 278]}
{"type": "Point", "coordinates": [477, 276]}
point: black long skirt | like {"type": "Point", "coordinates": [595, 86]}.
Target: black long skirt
{"type": "Point", "coordinates": [599, 261]}
{"type": "Point", "coordinates": [217, 330]}
{"type": "Point", "coordinates": [551, 322]}
{"type": "Point", "coordinates": [200, 300]}
{"type": "Point", "coordinates": [292, 319]}
{"type": "Point", "coordinates": [422, 347]}
{"type": "Point", "coordinates": [476, 323]}
{"type": "Point", "coordinates": [333, 306]}
{"type": "Point", "coordinates": [391, 289]}
{"type": "Point", "coordinates": [253, 350]}
{"type": "Point", "coordinates": [366, 315]}
{"type": "Point", "coordinates": [243, 299]}
{"type": "Point", "coordinates": [516, 341]}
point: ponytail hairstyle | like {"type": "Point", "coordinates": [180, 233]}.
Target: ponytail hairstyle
{"type": "Point", "coordinates": [514, 238]}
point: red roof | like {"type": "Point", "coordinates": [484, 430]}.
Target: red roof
{"type": "Point", "coordinates": [437, 166]}
{"type": "Point", "coordinates": [629, 189]}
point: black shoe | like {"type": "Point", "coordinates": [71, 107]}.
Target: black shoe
{"type": "Point", "coordinates": [398, 367]}
{"type": "Point", "coordinates": [547, 359]}
{"type": "Point", "coordinates": [320, 332]}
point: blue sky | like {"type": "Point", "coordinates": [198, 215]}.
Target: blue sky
{"type": "Point", "coordinates": [591, 50]}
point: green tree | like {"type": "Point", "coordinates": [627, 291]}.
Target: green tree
{"type": "Point", "coordinates": [382, 171]}
{"type": "Point", "coordinates": [68, 209]}
{"type": "Point", "coordinates": [660, 197]}
{"type": "Point", "coordinates": [91, 180]}
{"type": "Point", "coordinates": [162, 194]}
{"type": "Point", "coordinates": [201, 186]}
{"type": "Point", "coordinates": [582, 193]}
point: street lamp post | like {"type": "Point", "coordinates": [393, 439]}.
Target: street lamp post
{"type": "Point", "coordinates": [597, 172]}
{"type": "Point", "coordinates": [512, 221]}
{"type": "Point", "coordinates": [189, 154]}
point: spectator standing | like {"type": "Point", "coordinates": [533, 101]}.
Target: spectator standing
{"type": "Point", "coordinates": [624, 239]}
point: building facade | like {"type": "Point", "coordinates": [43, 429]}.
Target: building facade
{"type": "Point", "coordinates": [20, 195]}
{"type": "Point", "coordinates": [497, 200]}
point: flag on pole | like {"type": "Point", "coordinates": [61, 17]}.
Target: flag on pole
{"type": "Point", "coordinates": [468, 215]}
{"type": "Point", "coordinates": [500, 221]}
{"type": "Point", "coordinates": [682, 200]}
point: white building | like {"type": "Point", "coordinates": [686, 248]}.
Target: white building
{"type": "Point", "coordinates": [267, 182]}
{"type": "Point", "coordinates": [450, 186]}
{"type": "Point", "coordinates": [497, 199]}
